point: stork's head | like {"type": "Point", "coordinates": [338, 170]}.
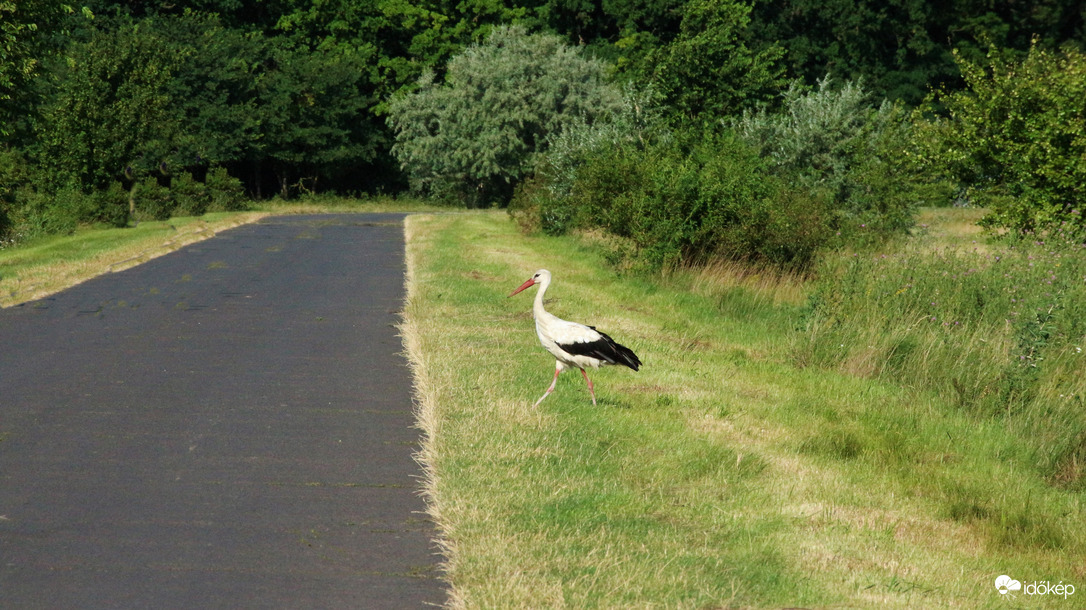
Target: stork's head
{"type": "Point", "coordinates": [540, 277]}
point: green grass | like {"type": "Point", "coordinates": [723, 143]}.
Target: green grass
{"type": "Point", "coordinates": [997, 329]}
{"type": "Point", "coordinates": [720, 475]}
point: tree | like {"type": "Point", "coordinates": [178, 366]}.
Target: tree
{"type": "Point", "coordinates": [1015, 139]}
{"type": "Point", "coordinates": [903, 48]}
{"type": "Point", "coordinates": [108, 110]}
{"type": "Point", "coordinates": [312, 113]}
{"type": "Point", "coordinates": [708, 72]}
{"type": "Point", "coordinates": [16, 62]}
{"type": "Point", "coordinates": [25, 28]}
{"type": "Point", "coordinates": [475, 136]}
{"type": "Point", "coordinates": [213, 91]}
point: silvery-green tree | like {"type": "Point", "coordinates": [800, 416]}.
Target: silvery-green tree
{"type": "Point", "coordinates": [473, 137]}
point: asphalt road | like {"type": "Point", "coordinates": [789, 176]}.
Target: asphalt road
{"type": "Point", "coordinates": [226, 426]}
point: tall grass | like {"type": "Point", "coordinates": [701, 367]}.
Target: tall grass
{"type": "Point", "coordinates": [999, 331]}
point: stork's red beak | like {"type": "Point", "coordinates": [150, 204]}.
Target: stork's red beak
{"type": "Point", "coordinates": [530, 282]}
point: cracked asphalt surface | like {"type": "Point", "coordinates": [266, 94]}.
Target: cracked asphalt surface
{"type": "Point", "coordinates": [226, 426]}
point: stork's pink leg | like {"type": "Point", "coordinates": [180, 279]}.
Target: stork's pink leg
{"type": "Point", "coordinates": [590, 390]}
{"type": "Point", "coordinates": [550, 389]}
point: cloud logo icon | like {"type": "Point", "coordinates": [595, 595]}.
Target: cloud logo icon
{"type": "Point", "coordinates": [1005, 583]}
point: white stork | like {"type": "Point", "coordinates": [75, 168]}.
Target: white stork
{"type": "Point", "coordinates": [574, 346]}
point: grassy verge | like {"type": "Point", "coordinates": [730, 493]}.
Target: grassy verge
{"type": "Point", "coordinates": [48, 264]}
{"type": "Point", "coordinates": [720, 475]}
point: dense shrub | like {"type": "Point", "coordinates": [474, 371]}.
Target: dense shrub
{"type": "Point", "coordinates": [471, 139]}
{"type": "Point", "coordinates": [776, 187]}
{"type": "Point", "coordinates": [1016, 138]}
{"type": "Point", "coordinates": [544, 201]}
{"type": "Point", "coordinates": [30, 211]}
{"type": "Point", "coordinates": [183, 195]}
{"type": "Point", "coordinates": [225, 191]}
{"type": "Point", "coordinates": [152, 201]}
{"type": "Point", "coordinates": [44, 211]}
{"type": "Point", "coordinates": [190, 196]}
{"type": "Point", "coordinates": [685, 199]}
{"type": "Point", "coordinates": [831, 140]}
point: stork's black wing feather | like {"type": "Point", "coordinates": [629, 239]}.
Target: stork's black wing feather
{"type": "Point", "coordinates": [605, 348]}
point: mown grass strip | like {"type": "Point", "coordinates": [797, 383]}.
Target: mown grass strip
{"type": "Point", "coordinates": [48, 264]}
{"type": "Point", "coordinates": [719, 475]}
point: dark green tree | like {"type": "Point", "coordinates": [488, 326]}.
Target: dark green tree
{"type": "Point", "coordinates": [108, 111]}
{"type": "Point", "coordinates": [213, 90]}
{"type": "Point", "coordinates": [708, 71]}
{"type": "Point", "coordinates": [312, 114]}
{"type": "Point", "coordinates": [29, 31]}
{"type": "Point", "coordinates": [903, 48]}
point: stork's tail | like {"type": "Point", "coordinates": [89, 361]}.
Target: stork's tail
{"type": "Point", "coordinates": [620, 354]}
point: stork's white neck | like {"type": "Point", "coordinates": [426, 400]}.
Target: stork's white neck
{"type": "Point", "coordinates": [537, 308]}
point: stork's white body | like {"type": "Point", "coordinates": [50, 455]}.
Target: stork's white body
{"type": "Point", "coordinates": [573, 345]}
{"type": "Point", "coordinates": [554, 332]}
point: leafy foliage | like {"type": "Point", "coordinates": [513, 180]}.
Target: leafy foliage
{"type": "Point", "coordinates": [474, 137]}
{"type": "Point", "coordinates": [684, 199]}
{"type": "Point", "coordinates": [833, 141]}
{"type": "Point", "coordinates": [826, 169]}
{"type": "Point", "coordinates": [708, 70]}
{"type": "Point", "coordinates": [305, 96]}
{"type": "Point", "coordinates": [109, 108]}
{"type": "Point", "coordinates": [1016, 139]}
{"type": "Point", "coordinates": [903, 49]}
{"type": "Point", "coordinates": [309, 105]}
{"type": "Point", "coordinates": [23, 47]}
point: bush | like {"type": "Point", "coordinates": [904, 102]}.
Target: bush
{"type": "Point", "coordinates": [152, 200]}
{"type": "Point", "coordinates": [190, 197]}
{"type": "Point", "coordinates": [225, 191]}
{"type": "Point", "coordinates": [1015, 138]}
{"type": "Point", "coordinates": [832, 142]}
{"type": "Point", "coordinates": [40, 212]}
{"type": "Point", "coordinates": [474, 138]}
{"type": "Point", "coordinates": [685, 200]}
{"type": "Point", "coordinates": [186, 196]}
{"type": "Point", "coordinates": [544, 201]}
